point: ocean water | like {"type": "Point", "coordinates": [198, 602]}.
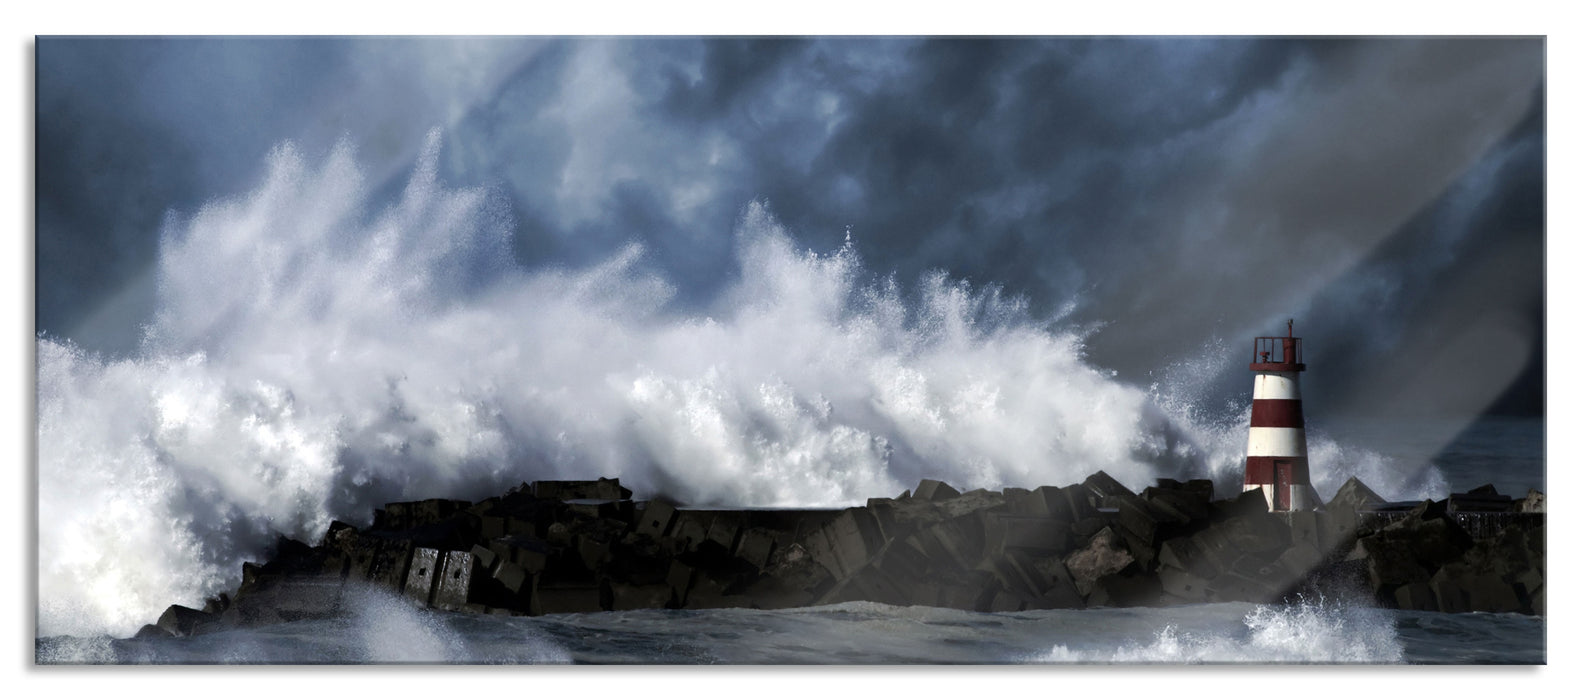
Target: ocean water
{"type": "Point", "coordinates": [385, 629]}
{"type": "Point", "coordinates": [315, 355]}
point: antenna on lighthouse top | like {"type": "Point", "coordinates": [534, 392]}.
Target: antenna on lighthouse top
{"type": "Point", "coordinates": [1288, 323]}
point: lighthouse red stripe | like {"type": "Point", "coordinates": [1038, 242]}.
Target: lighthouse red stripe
{"type": "Point", "coordinates": [1276, 413]}
{"type": "Point", "coordinates": [1260, 470]}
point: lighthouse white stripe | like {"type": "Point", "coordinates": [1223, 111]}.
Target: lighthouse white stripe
{"type": "Point", "coordinates": [1277, 442]}
{"type": "Point", "coordinates": [1276, 385]}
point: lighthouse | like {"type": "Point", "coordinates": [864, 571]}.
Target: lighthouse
{"type": "Point", "coordinates": [1277, 443]}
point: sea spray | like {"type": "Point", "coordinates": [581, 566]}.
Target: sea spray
{"type": "Point", "coordinates": [309, 361]}
{"type": "Point", "coordinates": [1302, 632]}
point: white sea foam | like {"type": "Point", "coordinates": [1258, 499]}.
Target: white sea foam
{"type": "Point", "coordinates": [311, 361]}
{"type": "Point", "coordinates": [1306, 632]}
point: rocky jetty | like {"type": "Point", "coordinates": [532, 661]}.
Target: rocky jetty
{"type": "Point", "coordinates": [582, 546]}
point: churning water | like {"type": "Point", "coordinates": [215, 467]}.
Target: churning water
{"type": "Point", "coordinates": [313, 358]}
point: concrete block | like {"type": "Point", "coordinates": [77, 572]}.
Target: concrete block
{"type": "Point", "coordinates": [1183, 506]}
{"type": "Point", "coordinates": [679, 581]}
{"type": "Point", "coordinates": [180, 621]}
{"type": "Point", "coordinates": [514, 579]}
{"type": "Point", "coordinates": [421, 575]}
{"type": "Point", "coordinates": [1186, 554]}
{"type": "Point", "coordinates": [1265, 570]}
{"type": "Point", "coordinates": [485, 557]}
{"type": "Point", "coordinates": [1487, 593]}
{"type": "Point", "coordinates": [1004, 532]}
{"type": "Point", "coordinates": [1005, 601]}
{"type": "Point", "coordinates": [1116, 590]}
{"type": "Point", "coordinates": [1231, 586]}
{"type": "Point", "coordinates": [1185, 585]}
{"type": "Point", "coordinates": [1354, 495]}
{"type": "Point", "coordinates": [932, 490]}
{"type": "Point", "coordinates": [453, 589]}
{"type": "Point", "coordinates": [1044, 501]}
{"type": "Point", "coordinates": [1434, 539]}
{"type": "Point", "coordinates": [492, 526]}
{"type": "Point", "coordinates": [952, 544]}
{"type": "Point", "coordinates": [1246, 503]}
{"type": "Point", "coordinates": [1305, 526]}
{"type": "Point", "coordinates": [625, 596]}
{"type": "Point", "coordinates": [756, 546]}
{"type": "Point", "coordinates": [554, 599]}
{"type": "Point", "coordinates": [1389, 563]}
{"type": "Point", "coordinates": [602, 489]}
{"type": "Point", "coordinates": [389, 567]}
{"type": "Point", "coordinates": [850, 541]}
{"type": "Point", "coordinates": [724, 530]}
{"type": "Point", "coordinates": [1256, 533]}
{"type": "Point", "coordinates": [1301, 558]}
{"type": "Point", "coordinates": [1450, 589]}
{"type": "Point", "coordinates": [1062, 596]}
{"type": "Point", "coordinates": [1416, 596]}
{"type": "Point", "coordinates": [1077, 497]}
{"type": "Point", "coordinates": [691, 529]}
{"type": "Point", "coordinates": [529, 553]}
{"type": "Point", "coordinates": [593, 552]}
{"type": "Point", "coordinates": [1103, 486]}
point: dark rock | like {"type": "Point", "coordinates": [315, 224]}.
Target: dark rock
{"type": "Point", "coordinates": [1103, 555]}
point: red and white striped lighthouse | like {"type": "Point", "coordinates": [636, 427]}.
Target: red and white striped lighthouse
{"type": "Point", "coordinates": [1277, 442]}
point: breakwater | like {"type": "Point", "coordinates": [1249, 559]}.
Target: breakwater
{"type": "Point", "coordinates": [583, 546]}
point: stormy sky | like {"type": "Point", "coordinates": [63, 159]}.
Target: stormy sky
{"type": "Point", "coordinates": [1173, 196]}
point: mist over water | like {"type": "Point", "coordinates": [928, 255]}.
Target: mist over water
{"type": "Point", "coordinates": [314, 356]}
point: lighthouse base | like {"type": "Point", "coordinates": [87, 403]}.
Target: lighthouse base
{"type": "Point", "coordinates": [1300, 496]}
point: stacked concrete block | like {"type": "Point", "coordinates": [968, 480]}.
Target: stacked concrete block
{"type": "Point", "coordinates": [1095, 543]}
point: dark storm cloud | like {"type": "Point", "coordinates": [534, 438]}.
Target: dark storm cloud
{"type": "Point", "coordinates": [1180, 191]}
